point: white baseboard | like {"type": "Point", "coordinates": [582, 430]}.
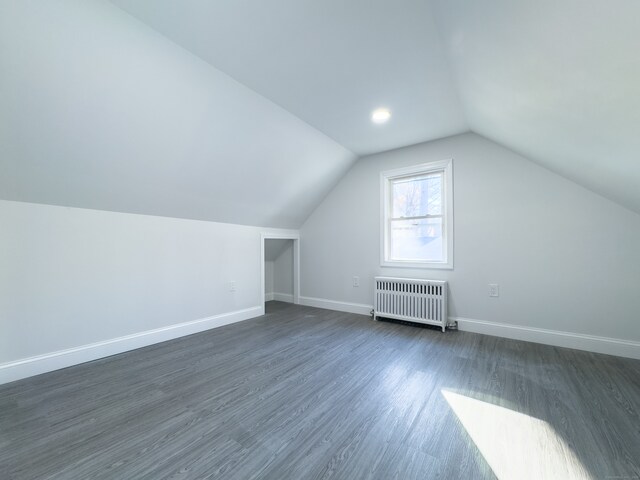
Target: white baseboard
{"type": "Point", "coordinates": [279, 297]}
{"type": "Point", "coordinates": [283, 297]}
{"type": "Point", "coordinates": [579, 341]}
{"type": "Point", "coordinates": [590, 343]}
{"type": "Point", "coordinates": [48, 362]}
{"type": "Point", "coordinates": [358, 308]}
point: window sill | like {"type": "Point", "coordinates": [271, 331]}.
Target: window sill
{"type": "Point", "coordinates": [424, 265]}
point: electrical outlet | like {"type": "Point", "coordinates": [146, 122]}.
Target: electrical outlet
{"type": "Point", "coordinates": [494, 290]}
{"type": "Point", "coordinates": [356, 281]}
{"type": "Point", "coordinates": [232, 286]}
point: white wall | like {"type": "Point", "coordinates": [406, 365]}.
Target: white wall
{"type": "Point", "coordinates": [268, 277]}
{"type": "Point", "coordinates": [71, 277]}
{"type": "Point", "coordinates": [566, 259]}
{"type": "Point", "coordinates": [278, 254]}
{"type": "Point", "coordinates": [283, 272]}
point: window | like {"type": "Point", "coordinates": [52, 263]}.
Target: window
{"type": "Point", "coordinates": [417, 216]}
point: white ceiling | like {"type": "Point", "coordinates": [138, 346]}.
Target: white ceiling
{"type": "Point", "coordinates": [557, 81]}
{"type": "Point", "coordinates": [99, 111]}
{"type": "Point", "coordinates": [274, 247]}
{"type": "Point", "coordinates": [329, 62]}
{"type": "Point", "coordinates": [249, 111]}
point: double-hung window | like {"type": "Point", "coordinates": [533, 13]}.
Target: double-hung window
{"type": "Point", "coordinates": [417, 216]}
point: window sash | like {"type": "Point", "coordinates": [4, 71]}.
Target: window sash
{"type": "Point", "coordinates": [419, 217]}
{"type": "Point", "coordinates": [441, 169]}
{"type": "Point", "coordinates": [389, 240]}
{"type": "Point", "coordinates": [414, 178]}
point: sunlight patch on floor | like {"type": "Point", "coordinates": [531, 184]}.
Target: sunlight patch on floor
{"type": "Point", "coordinates": [515, 445]}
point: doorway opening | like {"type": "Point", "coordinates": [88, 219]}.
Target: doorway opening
{"type": "Point", "coordinates": [280, 268]}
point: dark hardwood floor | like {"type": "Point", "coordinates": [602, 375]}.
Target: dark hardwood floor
{"type": "Point", "coordinates": [304, 393]}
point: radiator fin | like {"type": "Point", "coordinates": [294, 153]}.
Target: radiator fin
{"type": "Point", "coordinates": [422, 301]}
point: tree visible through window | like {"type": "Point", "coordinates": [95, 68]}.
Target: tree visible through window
{"type": "Point", "coordinates": [415, 215]}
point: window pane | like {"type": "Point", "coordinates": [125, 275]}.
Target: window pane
{"type": "Point", "coordinates": [417, 196]}
{"type": "Point", "coordinates": [420, 240]}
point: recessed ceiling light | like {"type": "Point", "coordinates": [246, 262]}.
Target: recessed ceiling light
{"type": "Point", "coordinates": [380, 115]}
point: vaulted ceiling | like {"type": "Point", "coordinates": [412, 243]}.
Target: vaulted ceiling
{"type": "Point", "coordinates": [249, 111]}
{"type": "Point", "coordinates": [555, 80]}
{"type": "Point", "coordinates": [99, 111]}
{"type": "Point", "coordinates": [329, 62]}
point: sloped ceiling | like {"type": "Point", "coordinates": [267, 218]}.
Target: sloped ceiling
{"type": "Point", "coordinates": [329, 62]}
{"type": "Point", "coordinates": [556, 81]}
{"type": "Point", "coordinates": [248, 111]}
{"type": "Point", "coordinates": [99, 111]}
{"type": "Point", "coordinates": [274, 247]}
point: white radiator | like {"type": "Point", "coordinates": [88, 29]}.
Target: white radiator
{"type": "Point", "coordinates": [422, 301]}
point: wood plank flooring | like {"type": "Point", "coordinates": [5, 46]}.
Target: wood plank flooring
{"type": "Point", "coordinates": [304, 393]}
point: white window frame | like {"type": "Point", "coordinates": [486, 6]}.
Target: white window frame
{"type": "Point", "coordinates": [386, 178]}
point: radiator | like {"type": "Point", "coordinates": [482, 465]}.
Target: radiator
{"type": "Point", "coordinates": [422, 301]}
